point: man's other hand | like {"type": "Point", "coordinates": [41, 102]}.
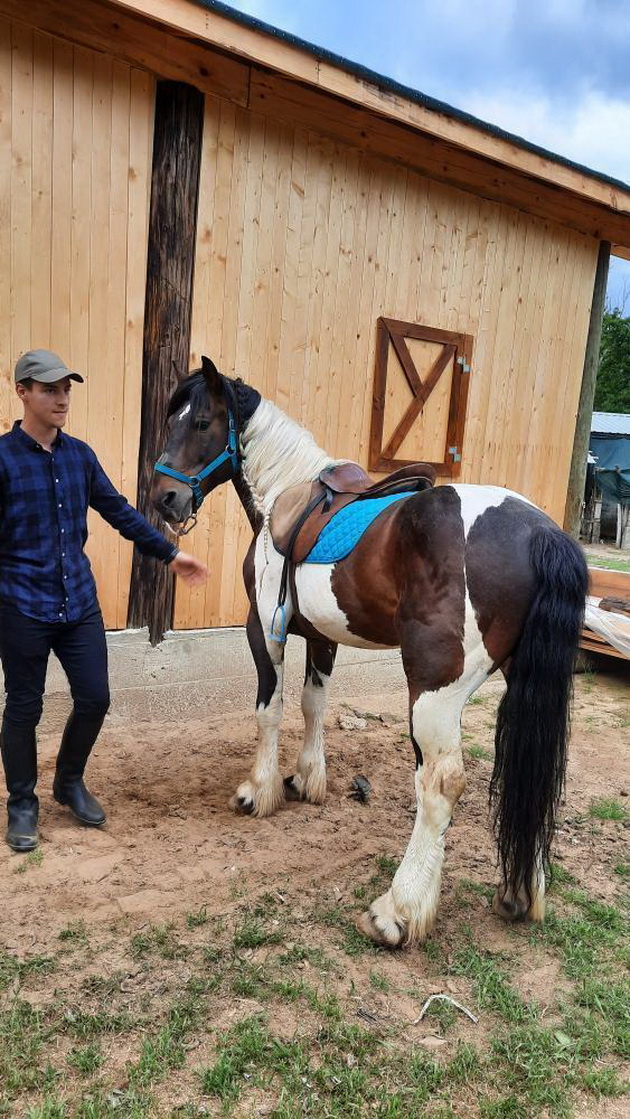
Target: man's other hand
{"type": "Point", "coordinates": [189, 568]}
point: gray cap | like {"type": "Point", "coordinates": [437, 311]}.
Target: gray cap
{"type": "Point", "coordinates": [43, 366]}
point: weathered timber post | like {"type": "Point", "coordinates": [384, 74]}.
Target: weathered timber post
{"type": "Point", "coordinates": [178, 133]}
{"type": "Point", "coordinates": [577, 476]}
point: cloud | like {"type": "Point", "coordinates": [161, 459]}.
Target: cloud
{"type": "Point", "coordinates": [589, 131]}
{"type": "Point", "coordinates": [554, 72]}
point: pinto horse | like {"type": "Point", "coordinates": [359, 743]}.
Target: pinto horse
{"type": "Point", "coordinates": [466, 579]}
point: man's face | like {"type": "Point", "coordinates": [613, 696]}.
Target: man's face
{"type": "Point", "coordinates": [47, 404]}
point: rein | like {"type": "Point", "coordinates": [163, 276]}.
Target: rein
{"type": "Point", "coordinates": [231, 454]}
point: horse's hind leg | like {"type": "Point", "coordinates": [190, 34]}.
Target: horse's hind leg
{"type": "Point", "coordinates": [309, 781]}
{"type": "Point", "coordinates": [406, 913]}
{"type": "Point", "coordinates": [263, 792]}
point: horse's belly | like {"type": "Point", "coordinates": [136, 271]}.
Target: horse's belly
{"type": "Point", "coordinates": [318, 605]}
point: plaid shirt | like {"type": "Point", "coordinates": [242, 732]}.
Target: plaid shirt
{"type": "Point", "coordinates": [44, 499]}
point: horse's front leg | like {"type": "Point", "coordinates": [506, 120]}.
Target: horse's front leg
{"type": "Point", "coordinates": [263, 792]}
{"type": "Point", "coordinates": [406, 913]}
{"type": "Point", "coordinates": [309, 782]}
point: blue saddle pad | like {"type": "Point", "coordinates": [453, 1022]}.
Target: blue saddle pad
{"type": "Point", "coordinates": [345, 529]}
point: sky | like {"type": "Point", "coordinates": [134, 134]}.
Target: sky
{"type": "Point", "coordinates": [555, 72]}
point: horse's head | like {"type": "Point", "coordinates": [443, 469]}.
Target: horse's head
{"type": "Point", "coordinates": [202, 446]}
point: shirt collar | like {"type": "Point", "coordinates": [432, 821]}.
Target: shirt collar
{"type": "Point", "coordinates": [32, 443]}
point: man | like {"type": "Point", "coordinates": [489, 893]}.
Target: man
{"type": "Point", "coordinates": [47, 591]}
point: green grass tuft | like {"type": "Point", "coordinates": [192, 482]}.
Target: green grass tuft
{"type": "Point", "coordinates": [607, 808]}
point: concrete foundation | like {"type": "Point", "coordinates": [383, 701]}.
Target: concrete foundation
{"type": "Point", "coordinates": [192, 671]}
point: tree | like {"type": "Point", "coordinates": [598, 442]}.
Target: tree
{"type": "Point", "coordinates": [612, 390]}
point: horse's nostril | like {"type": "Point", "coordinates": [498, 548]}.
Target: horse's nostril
{"type": "Point", "coordinates": [168, 498]}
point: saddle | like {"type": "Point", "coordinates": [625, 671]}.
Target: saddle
{"type": "Point", "coordinates": [300, 513]}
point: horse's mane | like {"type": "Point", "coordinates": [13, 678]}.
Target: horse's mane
{"type": "Point", "coordinates": [278, 453]}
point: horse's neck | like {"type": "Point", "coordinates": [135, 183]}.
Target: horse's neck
{"type": "Point", "coordinates": [247, 501]}
{"type": "Point", "coordinates": [278, 454]}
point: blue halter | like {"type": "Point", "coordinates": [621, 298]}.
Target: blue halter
{"type": "Point", "coordinates": [230, 454]}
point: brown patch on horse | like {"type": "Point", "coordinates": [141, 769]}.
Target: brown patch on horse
{"type": "Point", "coordinates": [403, 585]}
{"type": "Point", "coordinates": [499, 576]}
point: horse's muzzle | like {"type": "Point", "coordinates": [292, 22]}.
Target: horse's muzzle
{"type": "Point", "coordinates": [172, 499]}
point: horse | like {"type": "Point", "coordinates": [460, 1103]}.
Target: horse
{"type": "Point", "coordinates": [465, 579]}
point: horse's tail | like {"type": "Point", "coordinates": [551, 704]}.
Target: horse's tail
{"type": "Point", "coordinates": [534, 715]}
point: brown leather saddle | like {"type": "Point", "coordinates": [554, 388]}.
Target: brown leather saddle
{"type": "Point", "coordinates": [300, 513]}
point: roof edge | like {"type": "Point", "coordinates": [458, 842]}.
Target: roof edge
{"type": "Point", "coordinates": [389, 85]}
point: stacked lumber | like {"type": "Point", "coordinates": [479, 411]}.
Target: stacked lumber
{"type": "Point", "coordinates": [609, 608]}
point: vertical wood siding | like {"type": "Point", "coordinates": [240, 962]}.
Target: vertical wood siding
{"type": "Point", "coordinates": [304, 242]}
{"type": "Point", "coordinates": [76, 135]}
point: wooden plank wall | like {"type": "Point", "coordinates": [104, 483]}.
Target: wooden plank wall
{"type": "Point", "coordinates": [73, 225]}
{"type": "Point", "coordinates": [303, 242]}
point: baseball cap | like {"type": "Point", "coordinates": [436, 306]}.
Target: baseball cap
{"type": "Point", "coordinates": [43, 366]}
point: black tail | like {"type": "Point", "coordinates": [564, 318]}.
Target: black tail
{"type": "Point", "coordinates": [534, 714]}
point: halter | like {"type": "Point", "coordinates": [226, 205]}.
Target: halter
{"type": "Point", "coordinates": [230, 454]}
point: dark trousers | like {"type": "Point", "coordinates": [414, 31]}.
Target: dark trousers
{"type": "Point", "coordinates": [25, 646]}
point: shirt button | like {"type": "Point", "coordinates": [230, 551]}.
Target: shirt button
{"type": "Point", "coordinates": [63, 530]}
{"type": "Point", "coordinates": [56, 479]}
{"type": "Point", "coordinates": [60, 505]}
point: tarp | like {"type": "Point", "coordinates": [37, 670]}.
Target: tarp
{"type": "Point", "coordinates": [614, 628]}
{"type": "Point", "coordinates": [612, 470]}
{"type": "Point", "coordinates": [614, 484]}
{"type": "Point", "coordinates": [611, 451]}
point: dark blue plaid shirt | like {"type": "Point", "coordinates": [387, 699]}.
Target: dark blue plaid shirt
{"type": "Point", "coordinates": [44, 499]}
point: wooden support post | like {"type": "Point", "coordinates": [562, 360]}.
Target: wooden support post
{"type": "Point", "coordinates": [577, 476]}
{"type": "Point", "coordinates": [178, 133]}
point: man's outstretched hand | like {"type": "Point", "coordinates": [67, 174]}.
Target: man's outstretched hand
{"type": "Point", "coordinates": [189, 568]}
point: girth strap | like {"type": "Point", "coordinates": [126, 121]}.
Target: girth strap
{"type": "Point", "coordinates": [318, 499]}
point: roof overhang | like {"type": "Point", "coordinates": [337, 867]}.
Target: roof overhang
{"type": "Point", "coordinates": [244, 61]}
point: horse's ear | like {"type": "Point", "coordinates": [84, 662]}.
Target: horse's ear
{"type": "Point", "coordinates": [211, 375]}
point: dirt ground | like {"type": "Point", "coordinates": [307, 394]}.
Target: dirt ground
{"type": "Point", "coordinates": [172, 845]}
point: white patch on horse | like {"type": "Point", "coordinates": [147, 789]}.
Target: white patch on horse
{"type": "Point", "coordinates": [184, 412]}
{"type": "Point", "coordinates": [476, 499]}
{"type": "Point", "coordinates": [318, 604]}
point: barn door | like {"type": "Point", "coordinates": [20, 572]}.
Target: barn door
{"type": "Point", "coordinates": [420, 393]}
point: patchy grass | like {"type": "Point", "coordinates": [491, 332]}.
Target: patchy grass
{"type": "Point", "coordinates": [30, 861]}
{"type": "Point", "coordinates": [611, 564]}
{"type": "Point", "coordinates": [475, 751]}
{"type": "Point", "coordinates": [293, 1013]}
{"type": "Point", "coordinates": [607, 808]}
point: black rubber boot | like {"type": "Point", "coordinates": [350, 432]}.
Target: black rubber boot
{"type": "Point", "coordinates": [19, 759]}
{"type": "Point", "coordinates": [22, 834]}
{"type": "Point", "coordinates": [69, 788]}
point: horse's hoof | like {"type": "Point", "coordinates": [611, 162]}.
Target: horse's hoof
{"type": "Point", "coordinates": [291, 791]}
{"type": "Point", "coordinates": [520, 909]}
{"type": "Point", "coordinates": [508, 909]}
{"type": "Point", "coordinates": [389, 934]}
{"type": "Point", "coordinates": [242, 805]}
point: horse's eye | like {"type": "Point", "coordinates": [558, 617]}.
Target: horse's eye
{"type": "Point", "coordinates": [202, 425]}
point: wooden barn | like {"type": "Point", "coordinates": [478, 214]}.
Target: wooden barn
{"type": "Point", "coordinates": [407, 281]}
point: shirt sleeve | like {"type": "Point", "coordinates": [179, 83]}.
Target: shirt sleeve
{"type": "Point", "coordinates": [116, 510]}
